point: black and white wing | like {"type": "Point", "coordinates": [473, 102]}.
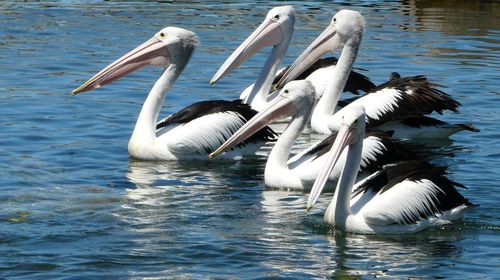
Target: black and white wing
{"type": "Point", "coordinates": [404, 98]}
{"type": "Point", "coordinates": [206, 125]}
{"type": "Point", "coordinates": [407, 193]}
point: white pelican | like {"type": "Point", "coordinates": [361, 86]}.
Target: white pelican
{"type": "Point", "coordinates": [296, 100]}
{"type": "Point", "coordinates": [191, 133]}
{"type": "Point", "coordinates": [276, 30]}
{"type": "Point", "coordinates": [396, 199]}
{"type": "Point", "coordinates": [394, 100]}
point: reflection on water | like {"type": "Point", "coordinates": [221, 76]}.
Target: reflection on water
{"type": "Point", "coordinates": [391, 255]}
{"type": "Point", "coordinates": [455, 17]}
{"type": "Point", "coordinates": [338, 254]}
{"type": "Point", "coordinates": [156, 180]}
{"type": "Point", "coordinates": [209, 172]}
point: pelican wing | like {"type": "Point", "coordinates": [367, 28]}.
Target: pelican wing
{"type": "Point", "coordinates": [201, 108]}
{"type": "Point", "coordinates": [344, 102]}
{"type": "Point", "coordinates": [355, 81]}
{"type": "Point", "coordinates": [313, 152]}
{"type": "Point", "coordinates": [406, 194]}
{"type": "Point", "coordinates": [204, 134]}
{"type": "Point", "coordinates": [424, 121]}
{"type": "Point", "coordinates": [208, 124]}
{"type": "Point", "coordinates": [404, 98]}
{"type": "Point", "coordinates": [380, 149]}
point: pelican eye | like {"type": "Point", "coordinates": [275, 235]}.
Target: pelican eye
{"type": "Point", "coordinates": [162, 35]}
{"type": "Point", "coordinates": [285, 93]}
{"type": "Point", "coordinates": [334, 20]}
{"type": "Point", "coordinates": [276, 17]}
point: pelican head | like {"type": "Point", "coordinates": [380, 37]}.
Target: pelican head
{"type": "Point", "coordinates": [346, 25]}
{"type": "Point", "coordinates": [171, 46]}
{"type": "Point", "coordinates": [276, 28]}
{"type": "Point", "coordinates": [354, 119]}
{"type": "Point", "coordinates": [351, 133]}
{"type": "Point", "coordinates": [295, 97]}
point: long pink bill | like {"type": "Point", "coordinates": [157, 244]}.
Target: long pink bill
{"type": "Point", "coordinates": [151, 52]}
{"type": "Point", "coordinates": [344, 138]}
{"type": "Point", "coordinates": [267, 34]}
{"type": "Point", "coordinates": [321, 45]}
{"type": "Point", "coordinates": [279, 108]}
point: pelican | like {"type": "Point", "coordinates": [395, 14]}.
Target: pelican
{"type": "Point", "coordinates": [191, 133]}
{"type": "Point", "coordinates": [276, 30]}
{"type": "Point", "coordinates": [296, 100]}
{"type": "Point", "coordinates": [401, 198]}
{"type": "Point", "coordinates": [385, 104]}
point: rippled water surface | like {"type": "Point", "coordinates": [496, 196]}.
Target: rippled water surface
{"type": "Point", "coordinates": [72, 203]}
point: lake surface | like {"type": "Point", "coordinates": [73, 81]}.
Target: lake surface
{"type": "Point", "coordinates": [73, 205]}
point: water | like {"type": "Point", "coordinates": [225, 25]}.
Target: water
{"type": "Point", "coordinates": [72, 204]}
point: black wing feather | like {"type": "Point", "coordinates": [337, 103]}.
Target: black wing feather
{"type": "Point", "coordinates": [203, 108]}
{"type": "Point", "coordinates": [322, 147]}
{"type": "Point", "coordinates": [355, 82]}
{"type": "Point", "coordinates": [445, 199]}
{"type": "Point", "coordinates": [395, 151]}
{"type": "Point", "coordinates": [421, 97]}
{"type": "Point", "coordinates": [344, 102]}
{"type": "Point", "coordinates": [428, 121]}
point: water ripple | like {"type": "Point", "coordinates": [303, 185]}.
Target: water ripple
{"type": "Point", "coordinates": [73, 205]}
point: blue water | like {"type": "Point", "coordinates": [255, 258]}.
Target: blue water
{"type": "Point", "coordinates": [73, 205]}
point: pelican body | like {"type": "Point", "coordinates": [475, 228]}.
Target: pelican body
{"type": "Point", "coordinates": [276, 30]}
{"type": "Point", "coordinates": [296, 100]}
{"type": "Point", "coordinates": [386, 104]}
{"type": "Point", "coordinates": [191, 133]}
{"type": "Point", "coordinates": [399, 198]}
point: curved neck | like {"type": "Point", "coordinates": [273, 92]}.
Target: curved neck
{"type": "Point", "coordinates": [280, 153]}
{"type": "Point", "coordinates": [326, 105]}
{"type": "Point", "coordinates": [262, 86]}
{"type": "Point", "coordinates": [145, 127]}
{"type": "Point", "coordinates": [340, 207]}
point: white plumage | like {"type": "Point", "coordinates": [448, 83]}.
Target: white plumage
{"type": "Point", "coordinates": [194, 139]}
{"type": "Point", "coordinates": [191, 133]}
{"type": "Point", "coordinates": [276, 30]}
{"type": "Point", "coordinates": [393, 101]}
{"type": "Point", "coordinates": [377, 104]}
{"type": "Point", "coordinates": [300, 171]}
{"type": "Point", "coordinates": [400, 198]}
